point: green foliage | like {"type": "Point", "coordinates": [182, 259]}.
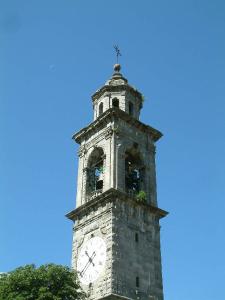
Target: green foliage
{"type": "Point", "coordinates": [48, 282]}
{"type": "Point", "coordinates": [101, 169]}
{"type": "Point", "coordinates": [141, 197]}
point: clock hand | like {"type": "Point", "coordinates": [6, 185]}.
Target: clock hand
{"type": "Point", "coordinates": [90, 260]}
{"type": "Point", "coordinates": [87, 254]}
{"type": "Point", "coordinates": [85, 268]}
{"type": "Point", "coordinates": [91, 257]}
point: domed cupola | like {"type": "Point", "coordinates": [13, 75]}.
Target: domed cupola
{"type": "Point", "coordinates": [119, 94]}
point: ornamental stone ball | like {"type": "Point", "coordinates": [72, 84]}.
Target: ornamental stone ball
{"type": "Point", "coordinates": [117, 67]}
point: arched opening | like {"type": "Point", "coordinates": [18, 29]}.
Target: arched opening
{"type": "Point", "coordinates": [131, 108]}
{"type": "Point", "coordinates": [95, 171]}
{"type": "Point", "coordinates": [134, 172]}
{"type": "Point", "coordinates": [115, 102]}
{"type": "Point", "coordinates": [100, 109]}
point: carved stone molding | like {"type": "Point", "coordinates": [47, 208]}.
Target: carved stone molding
{"type": "Point", "coordinates": [82, 151]}
{"type": "Point", "coordinates": [103, 230]}
{"type": "Point", "coordinates": [108, 132]}
{"type": "Point", "coordinates": [85, 169]}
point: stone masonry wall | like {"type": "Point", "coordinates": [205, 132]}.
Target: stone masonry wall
{"type": "Point", "coordinates": [96, 222]}
{"type": "Point", "coordinates": [132, 258]}
{"type": "Point", "coordinates": [101, 139]}
{"type": "Point", "coordinates": [125, 139]}
{"type": "Point", "coordinates": [115, 138]}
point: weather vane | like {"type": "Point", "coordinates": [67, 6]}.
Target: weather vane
{"type": "Point", "coordinates": [117, 53]}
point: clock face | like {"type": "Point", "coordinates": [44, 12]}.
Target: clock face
{"type": "Point", "coordinates": [91, 260]}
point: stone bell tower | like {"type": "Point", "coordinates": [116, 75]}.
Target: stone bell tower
{"type": "Point", "coordinates": [116, 242]}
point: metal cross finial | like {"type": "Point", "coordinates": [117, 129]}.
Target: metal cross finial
{"type": "Point", "coordinates": [117, 52]}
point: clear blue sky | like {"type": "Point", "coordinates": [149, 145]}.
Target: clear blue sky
{"type": "Point", "coordinates": [53, 56]}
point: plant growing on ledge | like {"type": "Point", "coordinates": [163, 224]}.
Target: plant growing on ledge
{"type": "Point", "coordinates": [141, 197]}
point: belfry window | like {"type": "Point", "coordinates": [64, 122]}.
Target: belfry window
{"type": "Point", "coordinates": [115, 102]}
{"type": "Point", "coordinates": [134, 172]}
{"type": "Point", "coordinates": [100, 109]}
{"type": "Point", "coordinates": [95, 171]}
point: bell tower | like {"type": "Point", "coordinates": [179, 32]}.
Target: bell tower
{"type": "Point", "coordinates": [116, 242]}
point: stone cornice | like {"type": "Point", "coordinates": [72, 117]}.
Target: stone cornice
{"type": "Point", "coordinates": [114, 297]}
{"type": "Point", "coordinates": [116, 88]}
{"type": "Point", "coordinates": [109, 114]}
{"type": "Point", "coordinates": [109, 196]}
